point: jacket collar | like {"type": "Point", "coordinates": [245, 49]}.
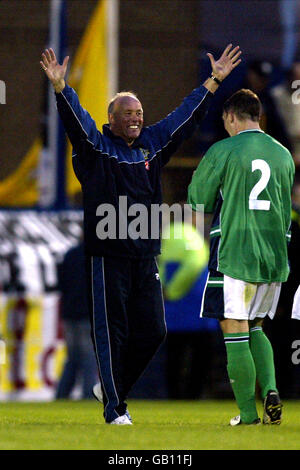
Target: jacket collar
{"type": "Point", "coordinates": [108, 133]}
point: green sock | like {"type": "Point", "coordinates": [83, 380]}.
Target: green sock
{"type": "Point", "coordinates": [262, 353]}
{"type": "Point", "coordinates": [241, 372]}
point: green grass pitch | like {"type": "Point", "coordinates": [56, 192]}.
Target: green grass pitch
{"type": "Point", "coordinates": [158, 425]}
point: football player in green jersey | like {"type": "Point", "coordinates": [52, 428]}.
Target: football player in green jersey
{"type": "Point", "coordinates": [246, 181]}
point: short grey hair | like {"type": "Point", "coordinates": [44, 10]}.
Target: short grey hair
{"type": "Point", "coordinates": [120, 95]}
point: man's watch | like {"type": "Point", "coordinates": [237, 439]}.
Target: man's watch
{"type": "Point", "coordinates": [213, 77]}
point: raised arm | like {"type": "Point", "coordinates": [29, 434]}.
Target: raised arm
{"type": "Point", "coordinates": [78, 123]}
{"type": "Point", "coordinates": [54, 71]}
{"type": "Point", "coordinates": [222, 67]}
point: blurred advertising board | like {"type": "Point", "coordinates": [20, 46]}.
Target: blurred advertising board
{"type": "Point", "coordinates": [32, 352]}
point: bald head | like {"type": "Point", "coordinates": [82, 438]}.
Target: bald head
{"type": "Point", "coordinates": [115, 98]}
{"type": "Point", "coordinates": [125, 116]}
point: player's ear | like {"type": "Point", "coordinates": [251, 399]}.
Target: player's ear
{"type": "Point", "coordinates": [110, 118]}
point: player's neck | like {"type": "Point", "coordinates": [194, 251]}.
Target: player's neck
{"type": "Point", "coordinates": [247, 125]}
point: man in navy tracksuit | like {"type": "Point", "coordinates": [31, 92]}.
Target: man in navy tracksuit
{"type": "Point", "coordinates": [124, 163]}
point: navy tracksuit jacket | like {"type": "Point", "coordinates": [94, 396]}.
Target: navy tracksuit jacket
{"type": "Point", "coordinates": [126, 305]}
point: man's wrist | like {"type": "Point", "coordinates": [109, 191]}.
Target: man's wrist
{"type": "Point", "coordinates": [211, 85]}
{"type": "Point", "coordinates": [216, 79]}
{"type": "Point", "coordinates": [59, 86]}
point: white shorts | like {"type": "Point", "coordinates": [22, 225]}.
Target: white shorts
{"type": "Point", "coordinates": [246, 301]}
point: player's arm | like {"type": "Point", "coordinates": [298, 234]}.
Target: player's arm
{"type": "Point", "coordinates": [79, 125]}
{"type": "Point", "coordinates": [289, 186]}
{"type": "Point", "coordinates": [205, 185]}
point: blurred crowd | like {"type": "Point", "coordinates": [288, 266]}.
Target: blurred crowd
{"type": "Point", "coordinates": [281, 103]}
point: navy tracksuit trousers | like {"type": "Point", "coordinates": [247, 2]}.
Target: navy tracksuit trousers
{"type": "Point", "coordinates": [127, 323]}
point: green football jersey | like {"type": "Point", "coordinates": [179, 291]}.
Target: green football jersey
{"type": "Point", "coordinates": [247, 181]}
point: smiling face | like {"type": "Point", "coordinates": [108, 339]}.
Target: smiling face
{"type": "Point", "coordinates": [126, 118]}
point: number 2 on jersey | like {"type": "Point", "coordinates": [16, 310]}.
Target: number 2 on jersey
{"type": "Point", "coordinates": [254, 203]}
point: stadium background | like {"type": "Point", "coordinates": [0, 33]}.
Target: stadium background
{"type": "Point", "coordinates": [160, 46]}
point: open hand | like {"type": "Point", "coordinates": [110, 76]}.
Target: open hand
{"type": "Point", "coordinates": [226, 63]}
{"type": "Point", "coordinates": [54, 71]}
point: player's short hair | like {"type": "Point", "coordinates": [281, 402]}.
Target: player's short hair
{"type": "Point", "coordinates": [119, 95]}
{"type": "Point", "coordinates": [245, 104]}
